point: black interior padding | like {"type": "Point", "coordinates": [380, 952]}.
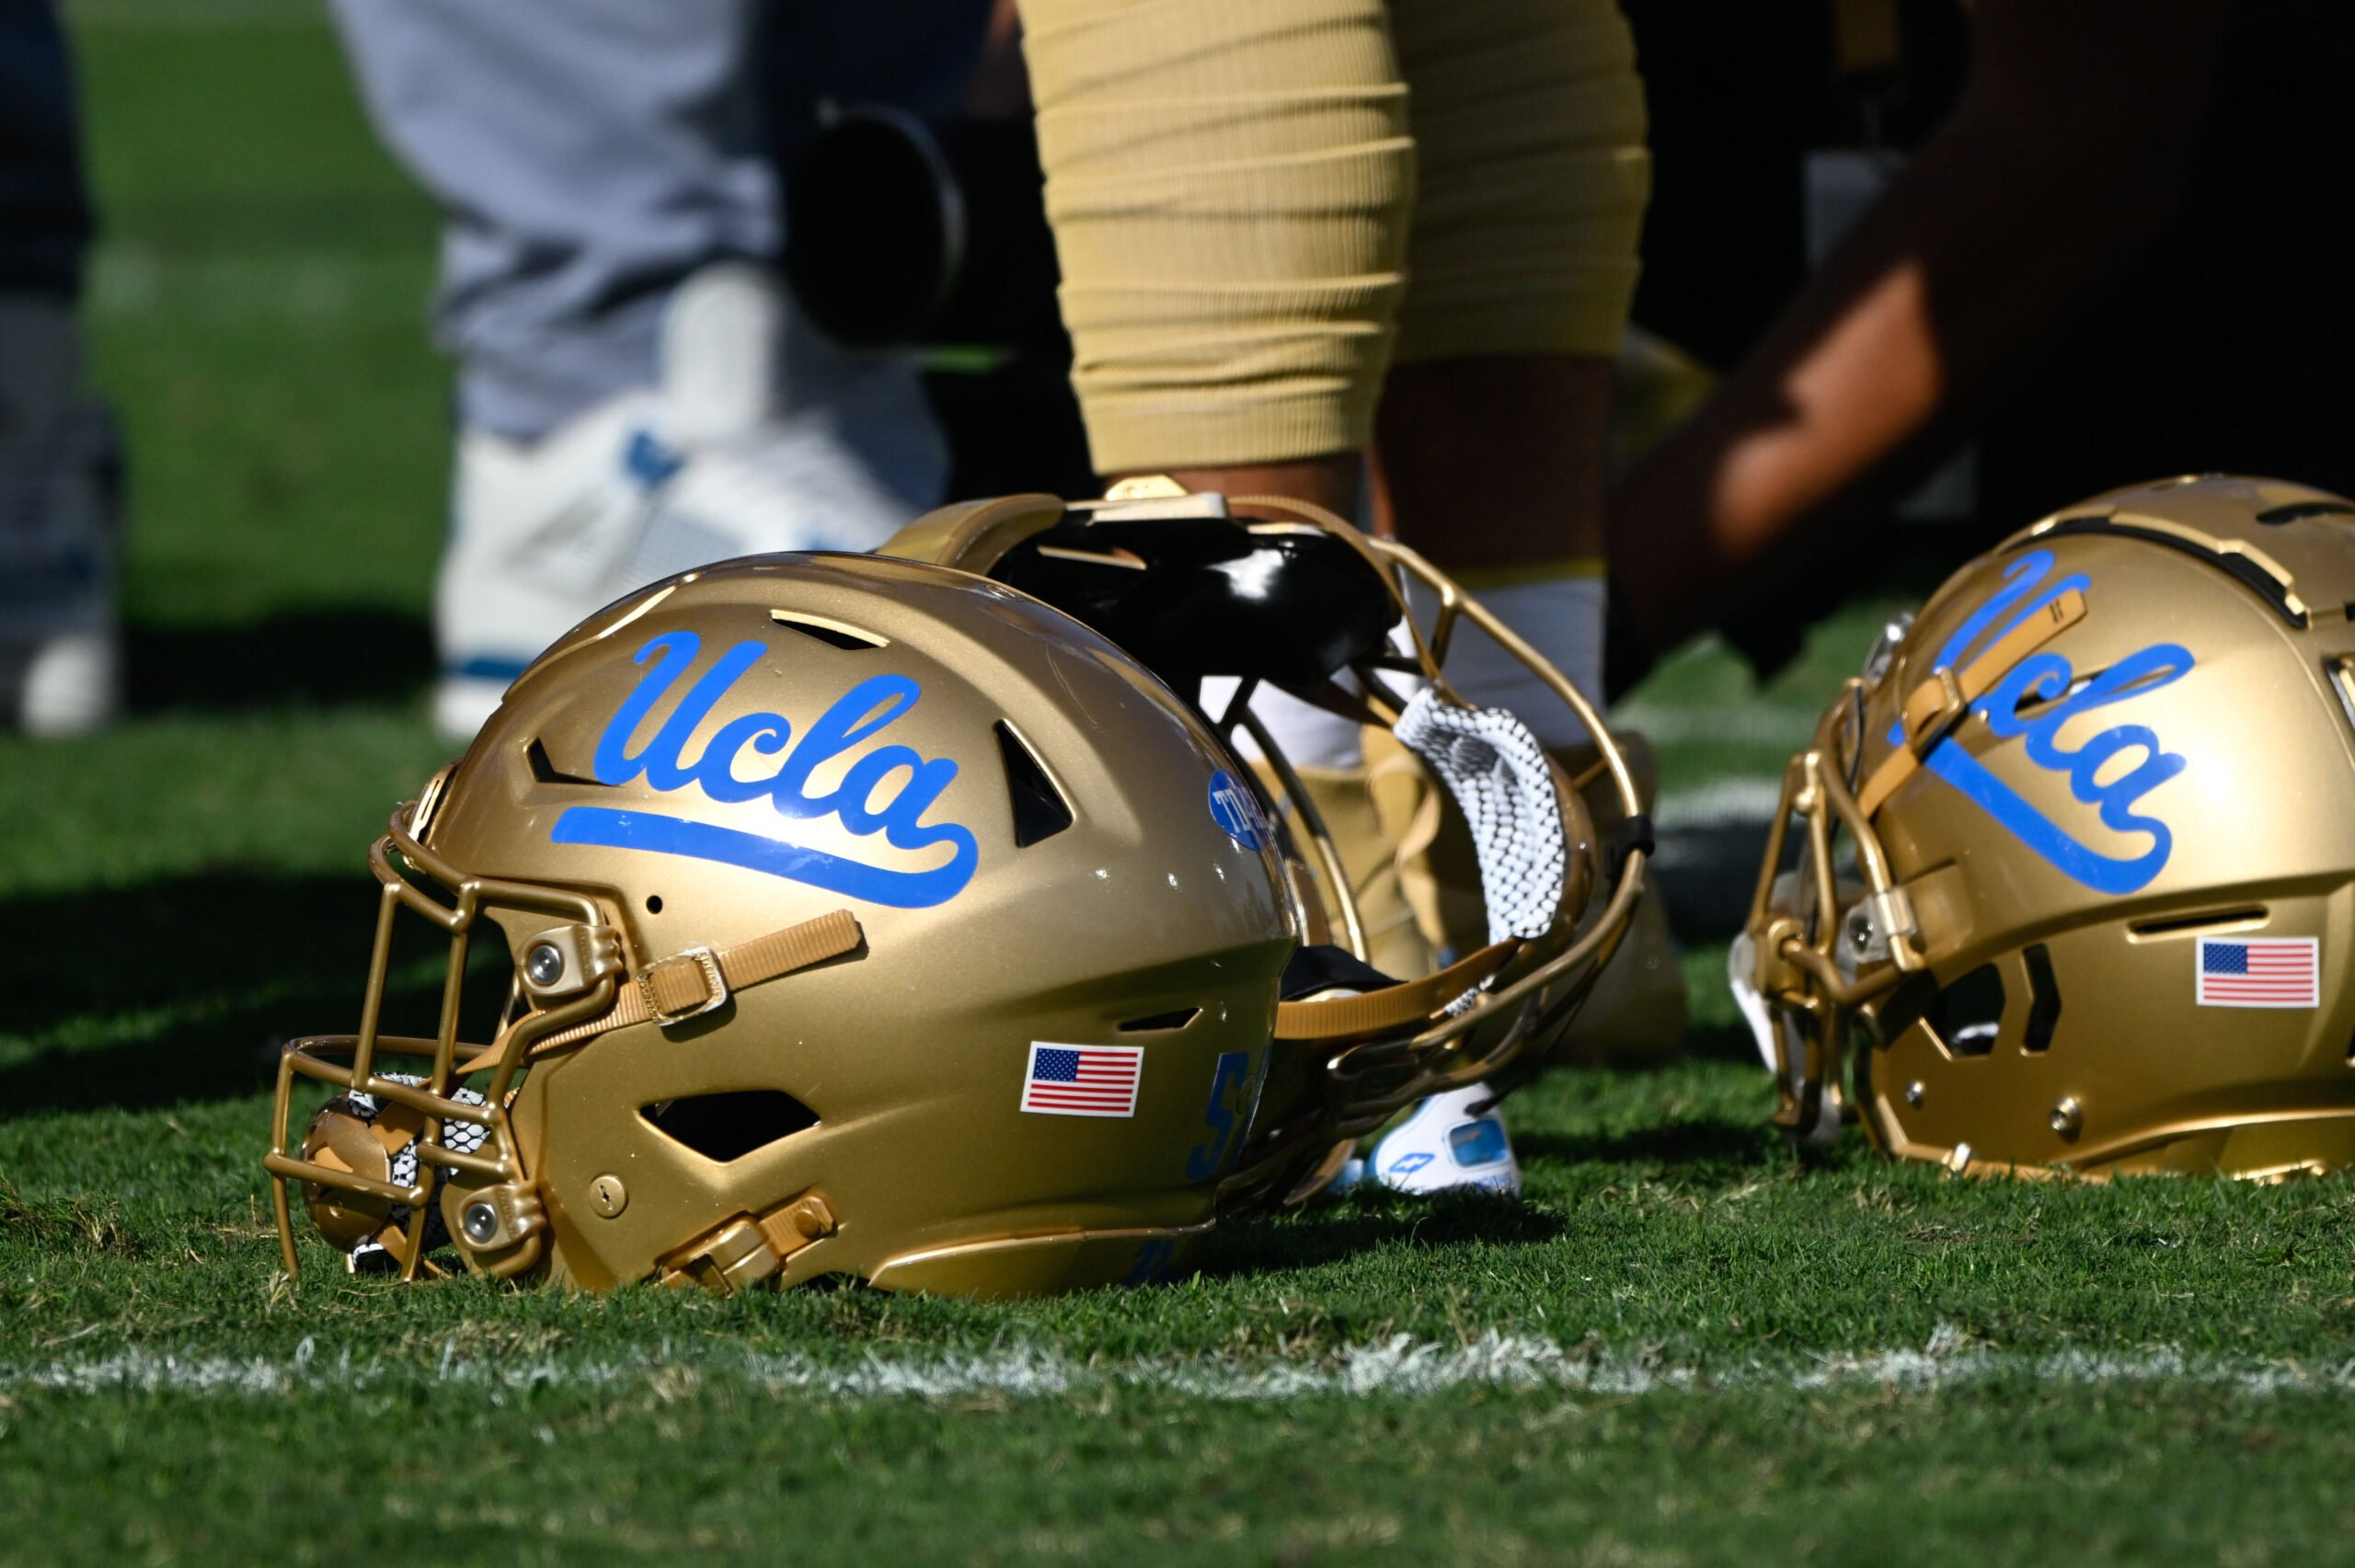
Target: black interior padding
{"type": "Point", "coordinates": [1318, 967]}
{"type": "Point", "coordinates": [1213, 598]}
{"type": "Point", "coordinates": [1969, 1013]}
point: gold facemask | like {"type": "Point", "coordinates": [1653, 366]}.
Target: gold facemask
{"type": "Point", "coordinates": [2059, 882]}
{"type": "Point", "coordinates": [870, 917]}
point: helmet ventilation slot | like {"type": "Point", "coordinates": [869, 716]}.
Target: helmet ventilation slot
{"type": "Point", "coordinates": [1176, 1020]}
{"type": "Point", "coordinates": [1968, 1014]}
{"type": "Point", "coordinates": [2269, 585]}
{"type": "Point", "coordinates": [834, 633]}
{"type": "Point", "coordinates": [2044, 999]}
{"type": "Point", "coordinates": [2342, 678]}
{"type": "Point", "coordinates": [1039, 809]}
{"type": "Point", "coordinates": [2207, 922]}
{"type": "Point", "coordinates": [2298, 511]}
{"type": "Point", "coordinates": [536, 757]}
{"type": "Point", "coordinates": [2031, 706]}
{"type": "Point", "coordinates": [731, 1125]}
{"type": "Point", "coordinates": [2034, 705]}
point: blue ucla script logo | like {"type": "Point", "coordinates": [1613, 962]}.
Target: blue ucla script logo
{"type": "Point", "coordinates": [1234, 808]}
{"type": "Point", "coordinates": [2046, 678]}
{"type": "Point", "coordinates": [857, 716]}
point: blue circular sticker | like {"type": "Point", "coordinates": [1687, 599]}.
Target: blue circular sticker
{"type": "Point", "coordinates": [1236, 810]}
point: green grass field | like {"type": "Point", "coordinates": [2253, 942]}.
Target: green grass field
{"type": "Point", "coordinates": [1685, 1343]}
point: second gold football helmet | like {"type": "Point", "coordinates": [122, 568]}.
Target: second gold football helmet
{"type": "Point", "coordinates": [2067, 878]}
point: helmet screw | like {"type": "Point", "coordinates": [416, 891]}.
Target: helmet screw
{"type": "Point", "coordinates": [609, 1195]}
{"type": "Point", "coordinates": [2067, 1118]}
{"type": "Point", "coordinates": [1913, 1093]}
{"type": "Point", "coordinates": [482, 1223]}
{"type": "Point", "coordinates": [544, 966]}
{"type": "Point", "coordinates": [1860, 930]}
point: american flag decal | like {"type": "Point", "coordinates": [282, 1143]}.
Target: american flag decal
{"type": "Point", "coordinates": [1083, 1081]}
{"type": "Point", "coordinates": [2260, 971]}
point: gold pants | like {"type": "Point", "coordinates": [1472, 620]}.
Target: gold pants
{"type": "Point", "coordinates": [1234, 187]}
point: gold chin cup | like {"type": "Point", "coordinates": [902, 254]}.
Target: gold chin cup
{"type": "Point", "coordinates": [1824, 951]}
{"type": "Point", "coordinates": [495, 1217]}
{"type": "Point", "coordinates": [573, 985]}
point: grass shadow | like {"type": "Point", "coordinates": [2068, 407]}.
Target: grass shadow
{"type": "Point", "coordinates": [1708, 873]}
{"type": "Point", "coordinates": [326, 655]}
{"type": "Point", "coordinates": [1702, 1146]}
{"type": "Point", "coordinates": [1329, 1232]}
{"type": "Point", "coordinates": [1721, 1042]}
{"type": "Point", "coordinates": [178, 988]}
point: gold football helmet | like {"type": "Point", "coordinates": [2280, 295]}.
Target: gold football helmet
{"type": "Point", "coordinates": [866, 917]}
{"type": "Point", "coordinates": [2066, 877]}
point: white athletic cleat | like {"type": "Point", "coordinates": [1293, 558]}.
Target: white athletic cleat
{"type": "Point", "coordinates": [1449, 1141]}
{"type": "Point", "coordinates": [59, 506]}
{"type": "Point", "coordinates": [762, 437]}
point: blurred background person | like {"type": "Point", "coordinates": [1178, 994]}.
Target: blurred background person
{"type": "Point", "coordinates": [2119, 257]}
{"type": "Point", "coordinates": [60, 460]}
{"type": "Point", "coordinates": [635, 392]}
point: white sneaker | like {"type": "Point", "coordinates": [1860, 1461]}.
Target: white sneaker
{"type": "Point", "coordinates": [1448, 1141]}
{"type": "Point", "coordinates": [762, 437]}
{"type": "Point", "coordinates": [59, 506]}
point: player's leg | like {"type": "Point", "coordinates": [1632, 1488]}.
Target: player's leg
{"type": "Point", "coordinates": [59, 461]}
{"type": "Point", "coordinates": [1230, 182]}
{"type": "Point", "coordinates": [636, 394]}
{"type": "Point", "coordinates": [1529, 128]}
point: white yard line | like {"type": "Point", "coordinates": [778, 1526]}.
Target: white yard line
{"type": "Point", "coordinates": [1720, 803]}
{"type": "Point", "coordinates": [1401, 1367]}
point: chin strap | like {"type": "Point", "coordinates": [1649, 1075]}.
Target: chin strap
{"type": "Point", "coordinates": [699, 979]}
{"type": "Point", "coordinates": [1392, 1008]}
{"type": "Point", "coordinates": [1933, 708]}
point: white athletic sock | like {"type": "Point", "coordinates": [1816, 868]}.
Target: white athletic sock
{"type": "Point", "coordinates": [1310, 736]}
{"type": "Point", "coordinates": [1562, 619]}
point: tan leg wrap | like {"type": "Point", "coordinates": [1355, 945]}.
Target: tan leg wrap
{"type": "Point", "coordinates": [1529, 132]}
{"type": "Point", "coordinates": [1229, 182]}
